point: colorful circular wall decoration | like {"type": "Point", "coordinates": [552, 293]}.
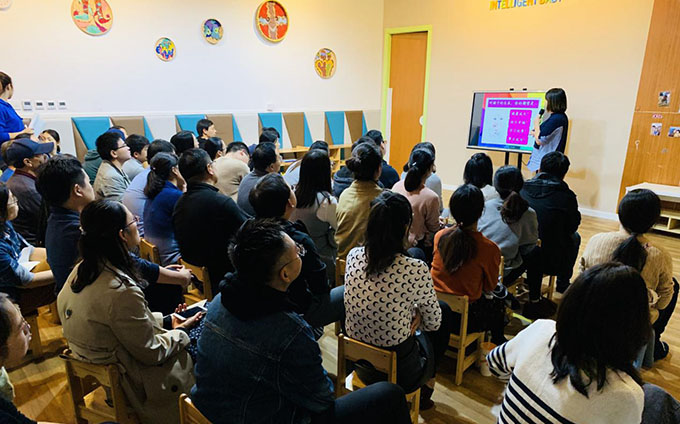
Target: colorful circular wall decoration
{"type": "Point", "coordinates": [165, 49]}
{"type": "Point", "coordinates": [5, 4]}
{"type": "Point", "coordinates": [271, 20]}
{"type": "Point", "coordinates": [212, 31]}
{"type": "Point", "coordinates": [93, 17]}
{"type": "Point", "coordinates": [325, 62]}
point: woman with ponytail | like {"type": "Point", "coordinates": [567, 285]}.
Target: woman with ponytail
{"type": "Point", "coordinates": [638, 211]}
{"type": "Point", "coordinates": [467, 264]}
{"type": "Point", "coordinates": [106, 320]}
{"type": "Point", "coordinates": [433, 182]}
{"type": "Point", "coordinates": [163, 189]}
{"type": "Point", "coordinates": [424, 202]}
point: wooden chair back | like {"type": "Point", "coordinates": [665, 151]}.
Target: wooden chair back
{"type": "Point", "coordinates": [84, 379]}
{"type": "Point", "coordinates": [188, 414]}
{"type": "Point", "coordinates": [201, 273]}
{"type": "Point", "coordinates": [340, 266]}
{"type": "Point", "coordinates": [149, 252]}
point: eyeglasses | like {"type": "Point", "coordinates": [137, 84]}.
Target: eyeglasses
{"type": "Point", "coordinates": [301, 252]}
{"type": "Point", "coordinates": [121, 147]}
{"type": "Point", "coordinates": [135, 220]}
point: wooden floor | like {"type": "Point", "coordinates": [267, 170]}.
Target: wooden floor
{"type": "Point", "coordinates": [41, 390]}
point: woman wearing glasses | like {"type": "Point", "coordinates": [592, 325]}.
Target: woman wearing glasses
{"type": "Point", "coordinates": [106, 319]}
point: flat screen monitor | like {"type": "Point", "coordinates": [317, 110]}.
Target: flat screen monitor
{"type": "Point", "coordinates": [503, 120]}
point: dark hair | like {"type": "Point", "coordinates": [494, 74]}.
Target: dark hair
{"type": "Point", "coordinates": [183, 140]}
{"type": "Point", "coordinates": [459, 245]}
{"type": "Point", "coordinates": [361, 141]}
{"type": "Point", "coordinates": [424, 145]}
{"type": "Point", "coordinates": [263, 156]}
{"type": "Point", "coordinates": [269, 136]}
{"type": "Point", "coordinates": [203, 125]}
{"type": "Point", "coordinates": [602, 323]}
{"type": "Point", "coordinates": [508, 182]}
{"type": "Point", "coordinates": [555, 164]}
{"type": "Point", "coordinates": [106, 143]}
{"type": "Point", "coordinates": [160, 171]}
{"type": "Point", "coordinates": [118, 127]}
{"type": "Point", "coordinates": [212, 146]}
{"type": "Point", "coordinates": [376, 136]}
{"type": "Point", "coordinates": [4, 200]}
{"type": "Point", "coordinates": [5, 80]}
{"type": "Point", "coordinates": [53, 133]}
{"type": "Point", "coordinates": [235, 146]}
{"type": "Point", "coordinates": [100, 245]}
{"type": "Point", "coordinates": [270, 196]}
{"type": "Point", "coordinates": [136, 143]}
{"type": "Point", "coordinates": [315, 177]}
{"type": "Point", "coordinates": [5, 325]}
{"type": "Point", "coordinates": [365, 161]}
{"type": "Point", "coordinates": [193, 164]}
{"type": "Point", "coordinates": [388, 221]}
{"type": "Point", "coordinates": [478, 170]}
{"type": "Point", "coordinates": [556, 99]}
{"type": "Point", "coordinates": [158, 146]}
{"type": "Point", "coordinates": [420, 164]}
{"type": "Point", "coordinates": [257, 249]}
{"type": "Point", "coordinates": [638, 211]}
{"type": "Point", "coordinates": [56, 179]}
{"type": "Point", "coordinates": [319, 145]}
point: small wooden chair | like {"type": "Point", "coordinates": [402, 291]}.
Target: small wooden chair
{"type": "Point", "coordinates": [201, 273]}
{"type": "Point", "coordinates": [382, 360]}
{"type": "Point", "coordinates": [89, 403]}
{"type": "Point", "coordinates": [149, 252]}
{"type": "Point", "coordinates": [460, 342]}
{"type": "Point", "coordinates": [188, 414]}
{"type": "Point", "coordinates": [36, 343]}
{"type": "Point", "coordinates": [340, 265]}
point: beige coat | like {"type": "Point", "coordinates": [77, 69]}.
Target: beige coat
{"type": "Point", "coordinates": [109, 322]}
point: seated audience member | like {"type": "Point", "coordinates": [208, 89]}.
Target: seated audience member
{"type": "Point", "coordinates": [265, 160]}
{"type": "Point", "coordinates": [139, 146]}
{"type": "Point", "coordinates": [316, 206]}
{"type": "Point", "coordinates": [183, 140]}
{"type": "Point", "coordinates": [106, 319]}
{"type": "Point", "coordinates": [389, 175]}
{"type": "Point", "coordinates": [205, 128]}
{"type": "Point", "coordinates": [67, 190]}
{"type": "Point", "coordinates": [279, 377]}
{"type": "Point", "coordinates": [638, 211]}
{"type": "Point", "coordinates": [292, 175]}
{"type": "Point", "coordinates": [164, 187]}
{"type": "Point", "coordinates": [433, 182]}
{"type": "Point", "coordinates": [268, 135]}
{"type": "Point", "coordinates": [479, 172]}
{"type": "Point", "coordinates": [204, 219]}
{"type": "Point", "coordinates": [232, 168]}
{"type": "Point", "coordinates": [424, 202]}
{"type": "Point", "coordinates": [343, 178]}
{"type": "Point", "coordinates": [214, 146]}
{"type": "Point", "coordinates": [134, 198]}
{"type": "Point", "coordinates": [379, 268]}
{"type": "Point", "coordinates": [93, 160]}
{"type": "Point", "coordinates": [467, 264]}
{"type": "Point", "coordinates": [26, 156]}
{"type": "Point", "coordinates": [51, 136]}
{"type": "Point", "coordinates": [273, 198]}
{"type": "Point", "coordinates": [30, 285]}
{"type": "Point", "coordinates": [111, 181]}
{"type": "Point", "coordinates": [580, 368]}
{"type": "Point", "coordinates": [354, 204]}
{"type": "Point", "coordinates": [558, 217]}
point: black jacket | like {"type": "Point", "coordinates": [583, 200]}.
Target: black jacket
{"type": "Point", "coordinates": [558, 218]}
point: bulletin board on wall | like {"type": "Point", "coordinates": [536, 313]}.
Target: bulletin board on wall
{"type": "Point", "coordinates": [653, 151]}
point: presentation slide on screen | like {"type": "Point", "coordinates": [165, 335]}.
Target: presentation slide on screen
{"type": "Point", "coordinates": [503, 121]}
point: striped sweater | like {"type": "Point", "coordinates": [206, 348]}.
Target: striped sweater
{"type": "Point", "coordinates": [531, 396]}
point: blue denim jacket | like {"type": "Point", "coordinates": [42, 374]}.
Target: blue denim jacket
{"type": "Point", "coordinates": [261, 370]}
{"type": "Point", "coordinates": [12, 274]}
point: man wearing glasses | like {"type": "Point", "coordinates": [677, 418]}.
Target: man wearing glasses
{"type": "Point", "coordinates": [111, 181]}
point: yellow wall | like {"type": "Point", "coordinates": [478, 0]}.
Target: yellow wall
{"type": "Point", "coordinates": [594, 49]}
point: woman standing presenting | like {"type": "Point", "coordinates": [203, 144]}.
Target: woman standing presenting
{"type": "Point", "coordinates": [11, 124]}
{"type": "Point", "coordinates": [552, 134]}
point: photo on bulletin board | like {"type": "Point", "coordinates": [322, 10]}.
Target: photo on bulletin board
{"type": "Point", "coordinates": [325, 63]}
{"type": "Point", "coordinates": [93, 17]}
{"type": "Point", "coordinates": [5, 4]}
{"type": "Point", "coordinates": [165, 49]}
{"type": "Point", "coordinates": [674, 132]}
{"type": "Point", "coordinates": [212, 31]}
{"type": "Point", "coordinates": [664, 98]}
{"type": "Point", "coordinates": [656, 129]}
{"type": "Point", "coordinates": [271, 20]}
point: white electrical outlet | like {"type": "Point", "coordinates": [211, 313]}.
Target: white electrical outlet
{"type": "Point", "coordinates": [26, 105]}
{"type": "Point", "coordinates": [51, 105]}
{"type": "Point", "coordinates": [62, 105]}
{"type": "Point", "coordinates": [39, 105]}
{"type": "Point", "coordinates": [270, 107]}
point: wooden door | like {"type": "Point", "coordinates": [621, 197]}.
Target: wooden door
{"type": "Point", "coordinates": [407, 81]}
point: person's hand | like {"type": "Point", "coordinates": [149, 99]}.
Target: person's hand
{"type": "Point", "coordinates": [186, 323]}
{"type": "Point", "coordinates": [183, 276]}
{"type": "Point", "coordinates": [27, 131]}
{"type": "Point", "coordinates": [417, 319]}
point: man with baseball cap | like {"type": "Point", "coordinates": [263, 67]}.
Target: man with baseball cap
{"type": "Point", "coordinates": [25, 155]}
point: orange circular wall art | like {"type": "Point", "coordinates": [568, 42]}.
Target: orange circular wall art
{"type": "Point", "coordinates": [271, 20]}
{"type": "Point", "coordinates": [93, 17]}
{"type": "Point", "coordinates": [325, 62]}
